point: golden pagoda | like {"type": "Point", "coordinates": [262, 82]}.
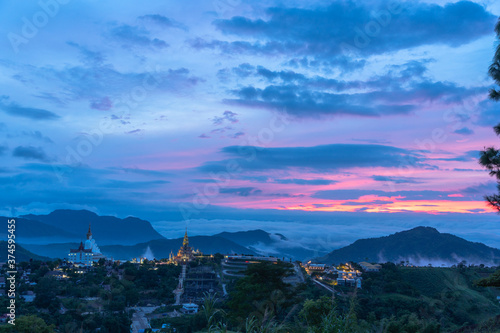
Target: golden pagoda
{"type": "Point", "coordinates": [185, 254]}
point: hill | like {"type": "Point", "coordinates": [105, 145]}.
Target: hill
{"type": "Point", "coordinates": [35, 231]}
{"type": "Point", "coordinates": [21, 253]}
{"type": "Point", "coordinates": [420, 246]}
{"type": "Point", "coordinates": [159, 248]}
{"type": "Point", "coordinates": [445, 297]}
{"type": "Point", "coordinates": [249, 238]}
{"type": "Point", "coordinates": [265, 243]}
{"type": "Point", "coordinates": [106, 229]}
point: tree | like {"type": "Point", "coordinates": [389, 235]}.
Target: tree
{"type": "Point", "coordinates": [492, 281]}
{"type": "Point", "coordinates": [314, 310]}
{"type": "Point", "coordinates": [46, 294]}
{"type": "Point", "coordinates": [320, 316]}
{"type": "Point", "coordinates": [28, 324]}
{"type": "Point", "coordinates": [490, 157]}
{"type": "Point", "coordinates": [261, 289]}
{"type": "Point", "coordinates": [213, 316]}
{"type": "Point", "coordinates": [494, 69]}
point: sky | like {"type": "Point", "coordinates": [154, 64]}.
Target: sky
{"type": "Point", "coordinates": [347, 118]}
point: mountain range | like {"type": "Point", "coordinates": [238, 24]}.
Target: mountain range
{"type": "Point", "coordinates": [266, 243]}
{"type": "Point", "coordinates": [243, 242]}
{"type": "Point", "coordinates": [419, 246]}
{"type": "Point", "coordinates": [36, 231]}
{"type": "Point", "coordinates": [71, 225]}
{"type": "Point", "coordinates": [54, 234]}
{"type": "Point", "coordinates": [20, 254]}
{"type": "Point", "coordinates": [159, 248]}
{"type": "Point", "coordinates": [251, 237]}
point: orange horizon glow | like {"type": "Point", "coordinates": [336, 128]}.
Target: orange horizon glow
{"type": "Point", "coordinates": [397, 205]}
{"type": "Point", "coordinates": [416, 206]}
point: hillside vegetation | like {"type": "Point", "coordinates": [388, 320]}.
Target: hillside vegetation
{"type": "Point", "coordinates": [433, 299]}
{"type": "Point", "coordinates": [420, 245]}
{"type": "Point", "coordinates": [21, 254]}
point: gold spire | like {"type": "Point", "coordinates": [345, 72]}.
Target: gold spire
{"type": "Point", "coordinates": [186, 240]}
{"type": "Point", "coordinates": [89, 233]}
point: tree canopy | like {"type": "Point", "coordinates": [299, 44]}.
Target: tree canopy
{"type": "Point", "coordinates": [494, 70]}
{"type": "Point", "coordinates": [490, 156]}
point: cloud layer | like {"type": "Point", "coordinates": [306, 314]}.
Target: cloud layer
{"type": "Point", "coordinates": [261, 111]}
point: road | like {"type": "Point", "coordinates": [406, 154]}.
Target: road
{"type": "Point", "coordinates": [139, 321]}
{"type": "Point", "coordinates": [330, 289]}
{"type": "Point", "coordinates": [298, 271]}
{"type": "Point", "coordinates": [230, 269]}
{"type": "Point", "coordinates": [229, 273]}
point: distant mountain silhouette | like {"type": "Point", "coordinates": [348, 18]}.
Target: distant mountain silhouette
{"type": "Point", "coordinates": [420, 245]}
{"type": "Point", "coordinates": [250, 237]}
{"type": "Point", "coordinates": [266, 243]}
{"type": "Point", "coordinates": [29, 230]}
{"type": "Point", "coordinates": [21, 253]}
{"type": "Point", "coordinates": [161, 248]}
{"type": "Point", "coordinates": [73, 224]}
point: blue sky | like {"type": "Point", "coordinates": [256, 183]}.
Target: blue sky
{"type": "Point", "coordinates": [215, 111]}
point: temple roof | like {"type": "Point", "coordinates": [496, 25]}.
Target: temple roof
{"type": "Point", "coordinates": [81, 248]}
{"type": "Point", "coordinates": [89, 233]}
{"type": "Point", "coordinates": [185, 242]}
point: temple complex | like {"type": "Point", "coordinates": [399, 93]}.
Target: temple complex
{"type": "Point", "coordinates": [185, 254]}
{"type": "Point", "coordinates": [87, 254]}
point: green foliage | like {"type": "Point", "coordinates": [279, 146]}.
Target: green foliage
{"type": "Point", "coordinates": [492, 281]}
{"type": "Point", "coordinates": [411, 324]}
{"type": "Point", "coordinates": [396, 299]}
{"type": "Point", "coordinates": [46, 294]}
{"type": "Point", "coordinates": [261, 289]}
{"type": "Point", "coordinates": [118, 323]}
{"type": "Point", "coordinates": [437, 298]}
{"type": "Point", "coordinates": [494, 69]}
{"type": "Point", "coordinates": [21, 253]}
{"type": "Point", "coordinates": [117, 301]}
{"type": "Point", "coordinates": [184, 324]}
{"type": "Point", "coordinates": [490, 157]}
{"type": "Point", "coordinates": [389, 280]}
{"type": "Point", "coordinates": [269, 325]}
{"type": "Point", "coordinates": [218, 257]}
{"type": "Point", "coordinates": [314, 310]}
{"type": "Point", "coordinates": [64, 305]}
{"type": "Point", "coordinates": [212, 313]}
{"type": "Point", "coordinates": [30, 324]}
{"type": "Point", "coordinates": [322, 316]}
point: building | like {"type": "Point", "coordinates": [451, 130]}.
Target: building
{"type": "Point", "coordinates": [29, 296]}
{"type": "Point", "coordinates": [59, 275]}
{"type": "Point", "coordinates": [185, 254]}
{"type": "Point", "coordinates": [315, 268]}
{"type": "Point", "coordinates": [370, 267]}
{"type": "Point", "coordinates": [197, 282]}
{"type": "Point", "coordinates": [86, 255]}
{"type": "Point", "coordinates": [189, 308]}
{"type": "Point", "coordinates": [234, 266]}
